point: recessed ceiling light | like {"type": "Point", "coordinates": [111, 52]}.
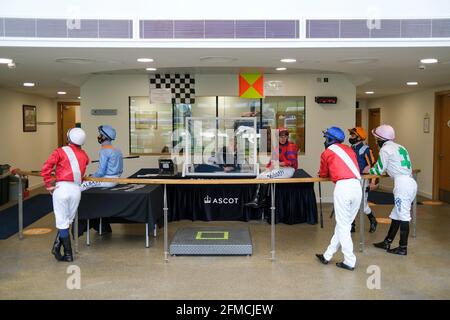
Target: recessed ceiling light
{"type": "Point", "coordinates": [288, 60]}
{"type": "Point", "coordinates": [61, 92]}
{"type": "Point", "coordinates": [5, 60]}
{"type": "Point", "coordinates": [429, 60]}
{"type": "Point", "coordinates": [281, 69]}
{"type": "Point", "coordinates": [145, 60]}
{"type": "Point", "coordinates": [150, 69]}
{"type": "Point", "coordinates": [359, 60]}
{"type": "Point", "coordinates": [412, 83]}
{"type": "Point", "coordinates": [74, 60]}
{"type": "Point", "coordinates": [370, 92]}
{"type": "Point", "coordinates": [28, 84]}
{"type": "Point", "coordinates": [217, 59]}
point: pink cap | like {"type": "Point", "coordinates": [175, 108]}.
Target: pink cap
{"type": "Point", "coordinates": [384, 132]}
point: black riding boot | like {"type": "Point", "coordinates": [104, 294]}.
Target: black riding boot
{"type": "Point", "coordinates": [386, 244]}
{"type": "Point", "coordinates": [259, 200]}
{"type": "Point", "coordinates": [404, 233]}
{"type": "Point", "coordinates": [373, 222]}
{"type": "Point", "coordinates": [106, 227]}
{"type": "Point", "coordinates": [68, 257]}
{"type": "Point", "coordinates": [353, 226]}
{"type": "Point", "coordinates": [56, 250]}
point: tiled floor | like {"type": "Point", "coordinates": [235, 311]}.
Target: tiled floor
{"type": "Point", "coordinates": [118, 266]}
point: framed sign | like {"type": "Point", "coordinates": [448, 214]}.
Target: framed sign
{"type": "Point", "coordinates": [426, 123]}
{"type": "Point", "coordinates": [146, 120]}
{"type": "Point", "coordinates": [29, 118]}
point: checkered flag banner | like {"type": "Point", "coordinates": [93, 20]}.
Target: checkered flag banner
{"type": "Point", "coordinates": [182, 86]}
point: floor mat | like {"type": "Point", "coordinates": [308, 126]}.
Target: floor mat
{"type": "Point", "coordinates": [33, 209]}
{"type": "Point", "coordinates": [380, 197]}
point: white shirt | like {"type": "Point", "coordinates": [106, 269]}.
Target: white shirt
{"type": "Point", "coordinates": [393, 159]}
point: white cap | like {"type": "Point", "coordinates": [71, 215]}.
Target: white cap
{"type": "Point", "coordinates": [76, 136]}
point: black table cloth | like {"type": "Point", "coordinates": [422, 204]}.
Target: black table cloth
{"type": "Point", "coordinates": [295, 202]}
{"type": "Point", "coordinates": [144, 205]}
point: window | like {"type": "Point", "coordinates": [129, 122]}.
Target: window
{"type": "Point", "coordinates": [151, 125]}
{"type": "Point", "coordinates": [232, 107]}
{"type": "Point", "coordinates": [288, 112]}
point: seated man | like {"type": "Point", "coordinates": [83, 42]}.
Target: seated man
{"type": "Point", "coordinates": [110, 163]}
{"type": "Point", "coordinates": [220, 163]}
{"type": "Point", "coordinates": [110, 166]}
{"type": "Point", "coordinates": [286, 158]}
{"type": "Point", "coordinates": [227, 159]}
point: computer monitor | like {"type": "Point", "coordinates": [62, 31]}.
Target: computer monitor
{"type": "Point", "coordinates": [166, 167]}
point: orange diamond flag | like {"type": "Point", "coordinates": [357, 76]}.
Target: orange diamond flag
{"type": "Point", "coordinates": [251, 85]}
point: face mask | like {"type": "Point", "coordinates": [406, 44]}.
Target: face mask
{"type": "Point", "coordinates": [353, 140]}
{"type": "Point", "coordinates": [328, 142]}
{"type": "Point", "coordinates": [380, 143]}
{"type": "Point", "coordinates": [100, 139]}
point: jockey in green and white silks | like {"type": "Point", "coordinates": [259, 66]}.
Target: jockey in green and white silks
{"type": "Point", "coordinates": [395, 161]}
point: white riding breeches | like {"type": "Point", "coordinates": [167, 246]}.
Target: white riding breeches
{"type": "Point", "coordinates": [347, 200]}
{"type": "Point", "coordinates": [281, 173]}
{"type": "Point", "coordinates": [94, 184]}
{"type": "Point", "coordinates": [66, 198]}
{"type": "Point", "coordinates": [405, 190]}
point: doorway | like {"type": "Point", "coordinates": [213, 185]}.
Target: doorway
{"type": "Point", "coordinates": [441, 168]}
{"type": "Point", "coordinates": [68, 117]}
{"type": "Point", "coordinates": [358, 118]}
{"type": "Point", "coordinates": [374, 121]}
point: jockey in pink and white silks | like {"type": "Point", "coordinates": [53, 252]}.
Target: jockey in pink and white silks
{"type": "Point", "coordinates": [339, 163]}
{"type": "Point", "coordinates": [69, 163]}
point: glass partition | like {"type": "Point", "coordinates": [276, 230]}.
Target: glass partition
{"type": "Point", "coordinates": [220, 146]}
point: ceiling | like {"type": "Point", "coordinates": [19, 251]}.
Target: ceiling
{"type": "Point", "coordinates": [382, 70]}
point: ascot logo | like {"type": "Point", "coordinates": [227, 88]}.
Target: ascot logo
{"type": "Point", "coordinates": [209, 200]}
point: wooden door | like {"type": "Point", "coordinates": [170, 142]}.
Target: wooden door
{"type": "Point", "coordinates": [444, 149]}
{"type": "Point", "coordinates": [358, 118]}
{"type": "Point", "coordinates": [374, 121]}
{"type": "Point", "coordinates": [67, 117]}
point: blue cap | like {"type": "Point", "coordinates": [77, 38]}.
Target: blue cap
{"type": "Point", "coordinates": [107, 131]}
{"type": "Point", "coordinates": [334, 133]}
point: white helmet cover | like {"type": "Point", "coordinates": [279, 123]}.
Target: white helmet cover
{"type": "Point", "coordinates": [76, 136]}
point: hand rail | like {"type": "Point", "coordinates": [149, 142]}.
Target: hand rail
{"type": "Point", "coordinates": [197, 181]}
{"type": "Point", "coordinates": [205, 181]}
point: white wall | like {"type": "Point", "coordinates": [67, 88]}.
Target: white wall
{"type": "Point", "coordinates": [112, 91]}
{"type": "Point", "coordinates": [77, 114]}
{"type": "Point", "coordinates": [405, 113]}
{"type": "Point", "coordinates": [26, 150]}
